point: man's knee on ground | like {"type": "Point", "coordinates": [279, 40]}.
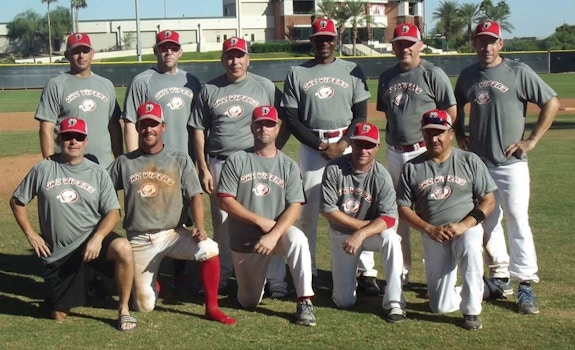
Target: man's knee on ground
{"type": "Point", "coordinates": [144, 303]}
{"type": "Point", "coordinates": [344, 302]}
{"type": "Point", "coordinates": [121, 251]}
{"type": "Point", "coordinates": [207, 250]}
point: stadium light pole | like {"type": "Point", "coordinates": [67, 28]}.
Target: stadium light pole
{"type": "Point", "coordinates": [138, 37]}
{"type": "Point", "coordinates": [165, 10]}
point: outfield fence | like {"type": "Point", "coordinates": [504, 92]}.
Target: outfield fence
{"type": "Point", "coordinates": [34, 76]}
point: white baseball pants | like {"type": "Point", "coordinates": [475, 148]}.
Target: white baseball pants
{"type": "Point", "coordinates": [394, 163]}
{"type": "Point", "coordinates": [441, 263]}
{"type": "Point", "coordinates": [344, 266]}
{"type": "Point", "coordinates": [251, 268]}
{"type": "Point", "coordinates": [512, 200]}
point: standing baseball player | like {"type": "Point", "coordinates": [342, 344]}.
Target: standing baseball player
{"type": "Point", "coordinates": [221, 122]}
{"type": "Point", "coordinates": [498, 90]}
{"type": "Point", "coordinates": [157, 181]}
{"type": "Point", "coordinates": [85, 95]}
{"type": "Point", "coordinates": [324, 98]}
{"type": "Point", "coordinates": [176, 91]}
{"type": "Point", "coordinates": [446, 193]}
{"type": "Point", "coordinates": [358, 200]}
{"type": "Point", "coordinates": [262, 192]}
{"type": "Point", "coordinates": [405, 92]}
{"type": "Point", "coordinates": [77, 209]}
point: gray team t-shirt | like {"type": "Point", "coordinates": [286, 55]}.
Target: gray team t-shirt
{"type": "Point", "coordinates": [444, 193]}
{"type": "Point", "coordinates": [175, 93]}
{"type": "Point", "coordinates": [92, 99]}
{"type": "Point", "coordinates": [156, 186]}
{"type": "Point", "coordinates": [224, 110]}
{"type": "Point", "coordinates": [72, 199]}
{"type": "Point", "coordinates": [265, 186]}
{"type": "Point", "coordinates": [498, 98]}
{"type": "Point", "coordinates": [363, 196]}
{"type": "Point", "coordinates": [405, 96]}
{"type": "Point", "coordinates": [324, 93]}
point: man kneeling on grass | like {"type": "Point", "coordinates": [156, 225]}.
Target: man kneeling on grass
{"type": "Point", "coordinates": [77, 209]}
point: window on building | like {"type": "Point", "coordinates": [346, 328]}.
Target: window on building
{"type": "Point", "coordinates": [301, 33]}
{"type": "Point", "coordinates": [303, 7]}
{"type": "Point", "coordinates": [253, 37]}
{"type": "Point", "coordinates": [412, 9]}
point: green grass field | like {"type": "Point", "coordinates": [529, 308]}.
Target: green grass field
{"type": "Point", "coordinates": [177, 322]}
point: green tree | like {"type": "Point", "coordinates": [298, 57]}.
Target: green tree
{"type": "Point", "coordinates": [448, 20]}
{"type": "Point", "coordinates": [48, 2]}
{"type": "Point", "coordinates": [499, 13]}
{"type": "Point", "coordinates": [23, 30]}
{"type": "Point", "coordinates": [468, 14]}
{"type": "Point", "coordinates": [76, 6]}
{"type": "Point", "coordinates": [60, 25]}
{"type": "Point", "coordinates": [562, 39]}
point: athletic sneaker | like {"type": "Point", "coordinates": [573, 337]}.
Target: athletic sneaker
{"type": "Point", "coordinates": [504, 284]}
{"type": "Point", "coordinates": [472, 322]}
{"type": "Point", "coordinates": [395, 315]}
{"type": "Point", "coordinates": [368, 285]}
{"type": "Point", "coordinates": [526, 300]}
{"type": "Point", "coordinates": [305, 313]}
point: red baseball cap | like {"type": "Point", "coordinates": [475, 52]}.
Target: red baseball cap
{"type": "Point", "coordinates": [73, 124]}
{"type": "Point", "coordinates": [406, 31]}
{"type": "Point", "coordinates": [150, 110]}
{"type": "Point", "coordinates": [488, 27]}
{"type": "Point", "coordinates": [167, 36]}
{"type": "Point", "coordinates": [367, 132]}
{"type": "Point", "coordinates": [265, 113]}
{"type": "Point", "coordinates": [436, 119]}
{"type": "Point", "coordinates": [323, 26]}
{"type": "Point", "coordinates": [235, 43]}
{"type": "Point", "coordinates": [78, 39]}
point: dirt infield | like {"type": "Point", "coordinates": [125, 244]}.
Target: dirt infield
{"type": "Point", "coordinates": [18, 166]}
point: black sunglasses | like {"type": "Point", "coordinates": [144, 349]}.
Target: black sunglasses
{"type": "Point", "coordinates": [435, 120]}
{"type": "Point", "coordinates": [82, 49]}
{"type": "Point", "coordinates": [68, 136]}
{"type": "Point", "coordinates": [173, 48]}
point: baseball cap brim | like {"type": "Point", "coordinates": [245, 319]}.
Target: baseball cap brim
{"type": "Point", "coordinates": [408, 38]}
{"type": "Point", "coordinates": [151, 117]}
{"type": "Point", "coordinates": [365, 138]}
{"type": "Point", "coordinates": [78, 131]}
{"type": "Point", "coordinates": [259, 119]}
{"type": "Point", "coordinates": [167, 41]}
{"type": "Point", "coordinates": [436, 126]}
{"type": "Point", "coordinates": [489, 34]}
{"type": "Point", "coordinates": [323, 33]}
{"type": "Point", "coordinates": [76, 45]}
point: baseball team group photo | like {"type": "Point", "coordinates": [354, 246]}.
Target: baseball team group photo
{"type": "Point", "coordinates": [416, 210]}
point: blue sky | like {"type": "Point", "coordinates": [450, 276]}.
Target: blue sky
{"type": "Point", "coordinates": [530, 17]}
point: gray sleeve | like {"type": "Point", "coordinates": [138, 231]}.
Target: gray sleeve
{"type": "Point", "coordinates": [404, 193]}
{"type": "Point", "coordinates": [28, 188]}
{"type": "Point", "coordinates": [386, 204]}
{"type": "Point", "coordinates": [228, 181]}
{"type": "Point", "coordinates": [441, 86]}
{"type": "Point", "coordinates": [294, 185]}
{"type": "Point", "coordinates": [108, 196]}
{"type": "Point", "coordinates": [135, 96]}
{"type": "Point", "coordinates": [200, 118]}
{"type": "Point", "coordinates": [291, 96]}
{"type": "Point", "coordinates": [190, 181]}
{"type": "Point", "coordinates": [532, 88]}
{"type": "Point", "coordinates": [329, 198]}
{"type": "Point", "coordinates": [49, 105]}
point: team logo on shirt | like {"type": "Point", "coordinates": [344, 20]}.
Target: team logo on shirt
{"type": "Point", "coordinates": [440, 193]}
{"type": "Point", "coordinates": [68, 196]}
{"type": "Point", "coordinates": [234, 111]}
{"type": "Point", "coordinates": [261, 189]}
{"type": "Point", "coordinates": [325, 92]}
{"type": "Point", "coordinates": [88, 105]}
{"type": "Point", "coordinates": [176, 102]}
{"type": "Point", "coordinates": [148, 190]}
{"type": "Point", "coordinates": [484, 97]}
{"type": "Point", "coordinates": [400, 99]}
{"type": "Point", "coordinates": [351, 206]}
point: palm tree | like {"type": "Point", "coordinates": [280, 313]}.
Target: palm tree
{"type": "Point", "coordinates": [48, 2]}
{"type": "Point", "coordinates": [358, 17]}
{"type": "Point", "coordinates": [448, 21]}
{"type": "Point", "coordinates": [499, 13]}
{"type": "Point", "coordinates": [76, 6]}
{"type": "Point", "coordinates": [468, 14]}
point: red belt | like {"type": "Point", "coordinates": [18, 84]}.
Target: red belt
{"type": "Point", "coordinates": [329, 134]}
{"type": "Point", "coordinates": [409, 148]}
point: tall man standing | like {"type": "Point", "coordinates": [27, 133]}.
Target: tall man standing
{"type": "Point", "coordinates": [176, 91]}
{"type": "Point", "coordinates": [324, 99]}
{"type": "Point", "coordinates": [85, 95]}
{"type": "Point", "coordinates": [221, 122]}
{"type": "Point", "coordinates": [498, 90]}
{"type": "Point", "coordinates": [157, 181]}
{"type": "Point", "coordinates": [358, 200]}
{"type": "Point", "coordinates": [405, 92]}
{"type": "Point", "coordinates": [77, 209]}
{"type": "Point", "coordinates": [261, 190]}
{"type": "Point", "coordinates": [446, 193]}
